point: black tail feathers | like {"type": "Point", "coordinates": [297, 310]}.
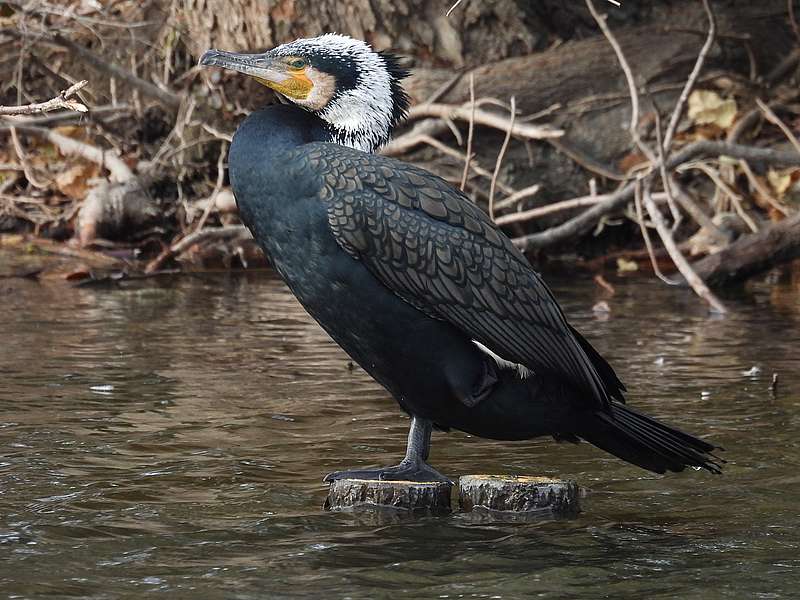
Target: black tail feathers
{"type": "Point", "coordinates": [612, 383]}
{"type": "Point", "coordinates": [643, 441]}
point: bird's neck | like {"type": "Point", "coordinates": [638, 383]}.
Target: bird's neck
{"type": "Point", "coordinates": [279, 128]}
{"type": "Point", "coordinates": [259, 153]}
{"type": "Point", "coordinates": [367, 134]}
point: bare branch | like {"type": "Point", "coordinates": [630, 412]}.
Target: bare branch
{"type": "Point", "coordinates": [485, 118]}
{"type": "Point", "coordinates": [687, 89]}
{"type": "Point", "coordinates": [452, 8]}
{"type": "Point", "coordinates": [223, 151]}
{"type": "Point", "coordinates": [646, 235]}
{"type": "Point", "coordinates": [226, 232]}
{"type": "Point", "coordinates": [516, 197]}
{"type": "Point", "coordinates": [773, 118]}
{"type": "Point", "coordinates": [762, 189]}
{"type": "Point", "coordinates": [547, 209]}
{"type": "Point", "coordinates": [105, 158]}
{"type": "Point", "coordinates": [60, 101]}
{"type": "Point", "coordinates": [586, 220]}
{"type": "Point", "coordinates": [633, 126]}
{"type": "Point", "coordinates": [665, 179]}
{"type": "Point", "coordinates": [469, 132]}
{"type": "Point", "coordinates": [697, 284]}
{"type": "Point", "coordinates": [500, 156]}
{"type": "Point", "coordinates": [715, 176]}
{"type": "Point", "coordinates": [167, 97]}
{"type": "Point", "coordinates": [793, 20]}
{"type": "Point", "coordinates": [541, 211]}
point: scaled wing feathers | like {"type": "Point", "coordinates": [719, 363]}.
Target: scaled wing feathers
{"type": "Point", "coordinates": [438, 251]}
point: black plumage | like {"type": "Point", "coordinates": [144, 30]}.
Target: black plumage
{"type": "Point", "coordinates": [424, 292]}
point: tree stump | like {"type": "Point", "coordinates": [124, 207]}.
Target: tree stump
{"type": "Point", "coordinates": [519, 494]}
{"type": "Point", "coordinates": [409, 495]}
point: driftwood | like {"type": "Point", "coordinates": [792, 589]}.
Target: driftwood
{"type": "Point", "coordinates": [110, 208]}
{"type": "Point", "coordinates": [584, 73]}
{"type": "Point", "coordinates": [752, 254]}
{"type": "Point", "coordinates": [581, 87]}
{"type": "Point", "coordinates": [409, 495]}
{"type": "Point", "coordinates": [518, 494]}
{"type": "Point", "coordinates": [587, 220]}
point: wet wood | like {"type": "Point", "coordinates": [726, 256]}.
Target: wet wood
{"type": "Point", "coordinates": [409, 495]}
{"type": "Point", "coordinates": [751, 254]}
{"type": "Point", "coordinates": [511, 493]}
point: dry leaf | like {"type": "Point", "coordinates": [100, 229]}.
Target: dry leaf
{"type": "Point", "coordinates": [707, 107]}
{"type": "Point", "coordinates": [629, 161]}
{"type": "Point", "coordinates": [775, 215]}
{"type": "Point", "coordinates": [78, 275]}
{"type": "Point", "coordinates": [624, 265]}
{"type": "Point", "coordinates": [75, 132]}
{"type": "Point", "coordinates": [74, 182]}
{"type": "Point", "coordinates": [780, 181]}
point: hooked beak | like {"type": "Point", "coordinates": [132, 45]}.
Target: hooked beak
{"type": "Point", "coordinates": [267, 70]}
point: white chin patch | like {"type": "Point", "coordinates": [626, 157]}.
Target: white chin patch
{"type": "Point", "coordinates": [523, 371]}
{"type": "Point", "coordinates": [324, 86]}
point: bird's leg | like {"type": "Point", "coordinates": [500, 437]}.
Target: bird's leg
{"type": "Point", "coordinates": [412, 468]}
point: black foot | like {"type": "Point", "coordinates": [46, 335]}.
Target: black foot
{"type": "Point", "coordinates": [405, 471]}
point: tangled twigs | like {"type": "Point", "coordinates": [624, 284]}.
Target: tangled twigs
{"type": "Point", "coordinates": [586, 220]}
{"type": "Point", "coordinates": [694, 280]}
{"type": "Point", "coordinates": [643, 227]}
{"type": "Point", "coordinates": [105, 158]}
{"type": "Point", "coordinates": [225, 233]}
{"type": "Point", "coordinates": [687, 89]}
{"type": "Point", "coordinates": [435, 118]}
{"type": "Point", "coordinates": [60, 101]}
{"type": "Point", "coordinates": [470, 132]}
{"type": "Point", "coordinates": [773, 118]}
{"type": "Point", "coordinates": [167, 97]}
{"type": "Point", "coordinates": [657, 162]}
{"type": "Point", "coordinates": [500, 156]}
{"type": "Point", "coordinates": [752, 253]}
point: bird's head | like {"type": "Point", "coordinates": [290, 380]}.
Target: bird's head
{"type": "Point", "coordinates": [343, 81]}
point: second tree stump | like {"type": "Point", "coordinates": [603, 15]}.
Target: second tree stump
{"type": "Point", "coordinates": [509, 493]}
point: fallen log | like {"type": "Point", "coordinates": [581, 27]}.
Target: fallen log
{"type": "Point", "coordinates": [751, 254]}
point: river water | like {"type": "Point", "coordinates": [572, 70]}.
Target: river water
{"type": "Point", "coordinates": [169, 437]}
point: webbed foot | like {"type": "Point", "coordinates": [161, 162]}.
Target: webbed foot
{"type": "Point", "coordinates": [406, 471]}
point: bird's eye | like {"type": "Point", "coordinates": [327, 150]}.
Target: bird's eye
{"type": "Point", "coordinates": [297, 63]}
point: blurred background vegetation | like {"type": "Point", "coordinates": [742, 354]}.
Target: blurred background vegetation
{"type": "Point", "coordinates": [138, 182]}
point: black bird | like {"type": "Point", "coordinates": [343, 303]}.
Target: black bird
{"type": "Point", "coordinates": [412, 279]}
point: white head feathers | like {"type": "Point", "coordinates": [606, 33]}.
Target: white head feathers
{"type": "Point", "coordinates": [364, 99]}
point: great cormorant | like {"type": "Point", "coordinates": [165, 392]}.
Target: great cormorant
{"type": "Point", "coordinates": [410, 277]}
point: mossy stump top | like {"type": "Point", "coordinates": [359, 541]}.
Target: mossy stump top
{"type": "Point", "coordinates": [519, 494]}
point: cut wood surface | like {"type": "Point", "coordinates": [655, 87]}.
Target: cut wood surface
{"type": "Point", "coordinates": [511, 493]}
{"type": "Point", "coordinates": [409, 495]}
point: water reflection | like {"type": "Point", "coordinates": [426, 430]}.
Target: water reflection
{"type": "Point", "coordinates": [172, 436]}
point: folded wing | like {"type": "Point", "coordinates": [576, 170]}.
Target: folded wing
{"type": "Point", "coordinates": [435, 249]}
